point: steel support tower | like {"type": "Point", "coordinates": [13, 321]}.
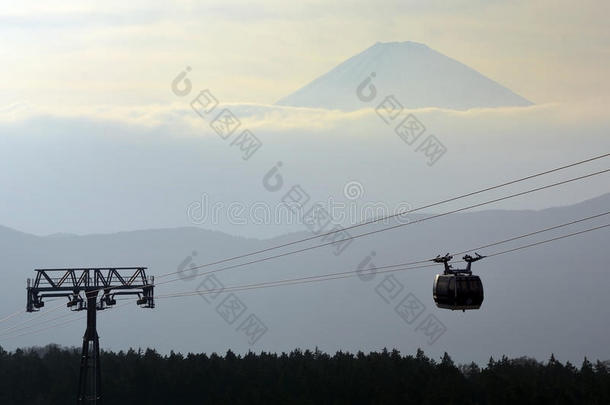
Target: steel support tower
{"type": "Point", "coordinates": [82, 286]}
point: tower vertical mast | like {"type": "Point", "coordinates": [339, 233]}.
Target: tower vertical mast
{"type": "Point", "coordinates": [82, 286]}
{"type": "Point", "coordinates": [89, 380]}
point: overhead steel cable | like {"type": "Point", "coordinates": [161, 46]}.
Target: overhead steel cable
{"type": "Point", "coordinates": [381, 269]}
{"type": "Point", "coordinates": [352, 273]}
{"type": "Point", "coordinates": [404, 212]}
{"type": "Point", "coordinates": [35, 332]}
{"type": "Point", "coordinates": [14, 314]}
{"type": "Point", "coordinates": [534, 233]}
{"type": "Point", "coordinates": [368, 233]}
{"type": "Point", "coordinates": [14, 330]}
{"type": "Point", "coordinates": [394, 215]}
{"type": "Point", "coordinates": [291, 281]}
{"type": "Point", "coordinates": [76, 318]}
{"type": "Point", "coordinates": [23, 322]}
{"type": "Point", "coordinates": [386, 228]}
{"type": "Point", "coordinates": [395, 226]}
{"type": "Point", "coordinates": [547, 241]}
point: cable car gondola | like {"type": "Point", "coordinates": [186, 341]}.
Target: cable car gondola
{"type": "Point", "coordinates": [457, 289]}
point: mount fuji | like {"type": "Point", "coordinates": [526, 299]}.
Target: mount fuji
{"type": "Point", "coordinates": [416, 75]}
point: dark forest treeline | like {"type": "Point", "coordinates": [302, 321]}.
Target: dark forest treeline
{"type": "Point", "coordinates": [49, 376]}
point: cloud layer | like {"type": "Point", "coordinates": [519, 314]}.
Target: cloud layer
{"type": "Point", "coordinates": [110, 168]}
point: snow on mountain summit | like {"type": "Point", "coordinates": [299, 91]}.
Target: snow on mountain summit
{"type": "Point", "coordinates": [415, 74]}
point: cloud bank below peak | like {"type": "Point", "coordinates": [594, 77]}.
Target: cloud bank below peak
{"type": "Point", "coordinates": [108, 169]}
{"type": "Point", "coordinates": [180, 119]}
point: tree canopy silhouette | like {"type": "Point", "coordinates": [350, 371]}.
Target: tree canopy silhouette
{"type": "Point", "coordinates": [49, 375]}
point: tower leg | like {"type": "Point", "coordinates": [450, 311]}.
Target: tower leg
{"type": "Point", "coordinates": [89, 381]}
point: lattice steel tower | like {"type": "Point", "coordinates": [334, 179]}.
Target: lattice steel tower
{"type": "Point", "coordinates": [82, 286]}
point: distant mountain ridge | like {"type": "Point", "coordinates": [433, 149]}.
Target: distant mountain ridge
{"type": "Point", "coordinates": [534, 299]}
{"type": "Point", "coordinates": [415, 74]}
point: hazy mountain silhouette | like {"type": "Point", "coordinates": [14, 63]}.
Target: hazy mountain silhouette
{"type": "Point", "coordinates": [415, 74]}
{"type": "Point", "coordinates": [549, 299]}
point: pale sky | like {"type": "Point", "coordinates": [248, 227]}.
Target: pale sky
{"type": "Point", "coordinates": [126, 53]}
{"type": "Point", "coordinates": [93, 140]}
{"type": "Point", "coordinates": [88, 121]}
